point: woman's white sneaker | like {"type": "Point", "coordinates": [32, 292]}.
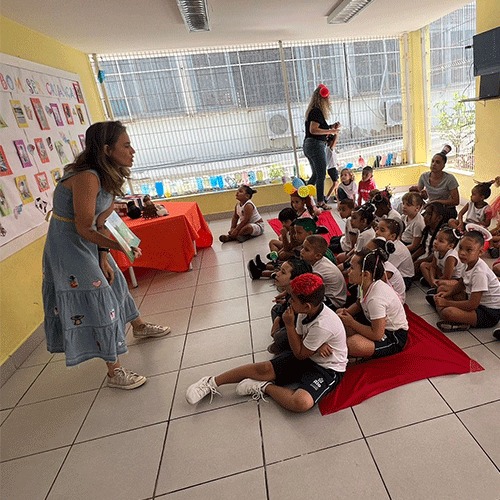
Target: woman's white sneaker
{"type": "Point", "coordinates": [125, 379]}
{"type": "Point", "coordinates": [148, 330]}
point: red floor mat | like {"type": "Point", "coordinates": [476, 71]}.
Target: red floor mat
{"type": "Point", "coordinates": [428, 353]}
{"type": "Point", "coordinates": [325, 219]}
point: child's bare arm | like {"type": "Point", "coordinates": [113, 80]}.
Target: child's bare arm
{"type": "Point", "coordinates": [324, 350]}
{"type": "Point", "coordinates": [461, 215]}
{"type": "Point", "coordinates": [470, 304]}
{"type": "Point", "coordinates": [415, 243]}
{"type": "Point", "coordinates": [294, 339]}
{"type": "Point", "coordinates": [449, 268]}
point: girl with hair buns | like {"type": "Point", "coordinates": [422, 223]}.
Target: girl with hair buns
{"type": "Point", "coordinates": [317, 130]}
{"type": "Point", "coordinates": [386, 330]}
{"type": "Point", "coordinates": [85, 296]}
{"type": "Point", "coordinates": [439, 186]}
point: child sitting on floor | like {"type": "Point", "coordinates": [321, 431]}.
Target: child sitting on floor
{"type": "Point", "coordinates": [445, 264]}
{"type": "Point", "coordinates": [316, 374]}
{"type": "Point", "coordinates": [413, 220]}
{"type": "Point", "coordinates": [303, 228]}
{"type": "Point", "coordinates": [434, 218]}
{"type": "Point", "coordinates": [401, 258]}
{"type": "Point", "coordinates": [383, 208]}
{"type": "Point", "coordinates": [286, 239]}
{"type": "Point", "coordinates": [347, 189]}
{"type": "Point", "coordinates": [246, 222]}
{"type": "Point", "coordinates": [473, 301]}
{"type": "Point", "coordinates": [302, 205]}
{"type": "Point", "coordinates": [284, 275]}
{"type": "Point", "coordinates": [476, 210]}
{"type": "Point", "coordinates": [392, 275]}
{"type": "Point", "coordinates": [387, 328]}
{"type": "Point", "coordinates": [313, 252]}
{"type": "Point", "coordinates": [361, 220]}
{"type": "Point", "coordinates": [344, 243]}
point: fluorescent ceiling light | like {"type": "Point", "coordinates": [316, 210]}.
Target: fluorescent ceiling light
{"type": "Point", "coordinates": [195, 14]}
{"type": "Point", "coordinates": [346, 10]}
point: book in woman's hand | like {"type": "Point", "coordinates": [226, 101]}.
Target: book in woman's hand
{"type": "Point", "coordinates": [122, 234]}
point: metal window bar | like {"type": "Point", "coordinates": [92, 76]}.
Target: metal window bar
{"type": "Point", "coordinates": [206, 120]}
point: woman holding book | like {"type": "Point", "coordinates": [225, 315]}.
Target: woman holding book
{"type": "Point", "coordinates": [85, 296]}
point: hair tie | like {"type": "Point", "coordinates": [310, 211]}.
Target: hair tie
{"type": "Point", "coordinates": [323, 91]}
{"type": "Point", "coordinates": [457, 233]}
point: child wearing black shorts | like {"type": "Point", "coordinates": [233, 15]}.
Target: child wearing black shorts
{"type": "Point", "coordinates": [316, 371]}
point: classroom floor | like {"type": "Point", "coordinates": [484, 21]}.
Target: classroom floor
{"type": "Point", "coordinates": [64, 435]}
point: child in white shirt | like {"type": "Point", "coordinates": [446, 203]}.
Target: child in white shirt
{"type": "Point", "coordinates": [413, 220]}
{"type": "Point", "coordinates": [387, 330]}
{"type": "Point", "coordinates": [476, 210]}
{"type": "Point", "coordinates": [347, 189]}
{"type": "Point", "coordinates": [473, 301]}
{"type": "Point", "coordinates": [345, 242]}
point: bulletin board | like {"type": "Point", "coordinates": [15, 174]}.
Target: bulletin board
{"type": "Point", "coordinates": [43, 119]}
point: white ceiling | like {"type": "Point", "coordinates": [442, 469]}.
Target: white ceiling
{"type": "Point", "coordinates": [111, 26]}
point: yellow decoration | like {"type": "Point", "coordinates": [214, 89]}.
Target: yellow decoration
{"type": "Point", "coordinates": [289, 189]}
{"type": "Point", "coordinates": [303, 191]}
{"type": "Point", "coordinates": [312, 189]}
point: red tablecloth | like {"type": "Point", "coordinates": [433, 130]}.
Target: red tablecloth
{"type": "Point", "coordinates": [167, 243]}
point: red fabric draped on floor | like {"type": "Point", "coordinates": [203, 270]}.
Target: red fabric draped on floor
{"type": "Point", "coordinates": [428, 353]}
{"type": "Point", "coordinates": [325, 219]}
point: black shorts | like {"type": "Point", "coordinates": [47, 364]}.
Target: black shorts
{"type": "Point", "coordinates": [311, 377]}
{"type": "Point", "coordinates": [392, 343]}
{"type": "Point", "coordinates": [333, 173]}
{"type": "Point", "coordinates": [335, 245]}
{"type": "Point", "coordinates": [487, 317]}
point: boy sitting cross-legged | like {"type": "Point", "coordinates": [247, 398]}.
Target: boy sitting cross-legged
{"type": "Point", "coordinates": [317, 374]}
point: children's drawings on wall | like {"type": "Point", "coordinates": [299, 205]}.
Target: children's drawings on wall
{"type": "Point", "coordinates": [43, 119]}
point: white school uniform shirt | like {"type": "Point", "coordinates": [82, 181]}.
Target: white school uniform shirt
{"type": "Point", "coordinates": [345, 240]}
{"type": "Point", "coordinates": [441, 261]}
{"type": "Point", "coordinates": [401, 259]}
{"type": "Point", "coordinates": [351, 190]}
{"type": "Point", "coordinates": [325, 328]}
{"type": "Point", "coordinates": [476, 215]}
{"type": "Point", "coordinates": [363, 238]}
{"type": "Point", "coordinates": [482, 279]}
{"type": "Point", "coordinates": [333, 279]}
{"type": "Point", "coordinates": [382, 301]}
{"type": "Point", "coordinates": [254, 218]}
{"type": "Point", "coordinates": [331, 158]}
{"type": "Point", "coordinates": [396, 281]}
{"type": "Point", "coordinates": [413, 228]}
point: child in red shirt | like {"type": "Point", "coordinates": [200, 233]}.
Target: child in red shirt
{"type": "Point", "coordinates": [366, 184]}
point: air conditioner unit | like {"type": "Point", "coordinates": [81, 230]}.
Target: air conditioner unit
{"type": "Point", "coordinates": [278, 125]}
{"type": "Point", "coordinates": [393, 112]}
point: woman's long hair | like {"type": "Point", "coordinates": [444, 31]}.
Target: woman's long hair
{"type": "Point", "coordinates": [319, 102]}
{"type": "Point", "coordinates": [93, 157]}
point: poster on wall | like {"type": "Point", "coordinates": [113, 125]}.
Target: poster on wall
{"type": "Point", "coordinates": [43, 118]}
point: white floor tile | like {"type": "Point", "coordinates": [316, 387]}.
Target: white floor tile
{"type": "Point", "coordinates": [209, 446]}
{"type": "Point", "coordinates": [261, 304]}
{"type": "Point", "coordinates": [222, 257]}
{"type": "Point", "coordinates": [17, 385]}
{"type": "Point", "coordinates": [461, 339]}
{"type": "Point", "coordinates": [217, 344]}
{"type": "Point", "coordinates": [3, 415]}
{"type": "Point", "coordinates": [261, 333]}
{"type": "Point", "coordinates": [44, 426]}
{"type": "Point", "coordinates": [122, 466]}
{"type": "Point", "coordinates": [434, 459]}
{"type": "Point", "coordinates": [218, 314]}
{"type": "Point", "coordinates": [313, 475]}
{"type": "Point", "coordinates": [167, 301]}
{"type": "Point", "coordinates": [31, 477]}
{"type": "Point", "coordinates": [220, 273]}
{"type": "Point", "coordinates": [164, 281]}
{"type": "Point", "coordinates": [219, 291]}
{"type": "Point", "coordinates": [40, 356]}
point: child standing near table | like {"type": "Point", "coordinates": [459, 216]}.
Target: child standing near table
{"type": "Point", "coordinates": [316, 374]}
{"type": "Point", "coordinates": [246, 222]}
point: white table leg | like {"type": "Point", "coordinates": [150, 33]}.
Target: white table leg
{"type": "Point", "coordinates": [133, 279]}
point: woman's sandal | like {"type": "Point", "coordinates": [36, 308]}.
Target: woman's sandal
{"type": "Point", "coordinates": [324, 206]}
{"type": "Point", "coordinates": [445, 326]}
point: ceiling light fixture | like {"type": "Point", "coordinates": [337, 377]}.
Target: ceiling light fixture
{"type": "Point", "coordinates": [346, 10]}
{"type": "Point", "coordinates": [194, 14]}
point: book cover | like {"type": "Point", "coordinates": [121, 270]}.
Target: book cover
{"type": "Point", "coordinates": [123, 235]}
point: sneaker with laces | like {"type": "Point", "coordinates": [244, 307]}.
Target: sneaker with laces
{"type": "Point", "coordinates": [149, 330]}
{"type": "Point", "coordinates": [125, 379]}
{"type": "Point", "coordinates": [197, 391]}
{"type": "Point", "coordinates": [254, 388]}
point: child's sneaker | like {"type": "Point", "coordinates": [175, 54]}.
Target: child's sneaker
{"type": "Point", "coordinates": [254, 271]}
{"type": "Point", "coordinates": [148, 330]}
{"type": "Point", "coordinates": [254, 388]}
{"type": "Point", "coordinates": [125, 379]}
{"type": "Point", "coordinates": [259, 263]}
{"type": "Point", "coordinates": [224, 238]}
{"type": "Point", "coordinates": [197, 391]}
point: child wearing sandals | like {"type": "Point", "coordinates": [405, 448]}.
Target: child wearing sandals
{"type": "Point", "coordinates": [401, 258]}
{"type": "Point", "coordinates": [445, 264]}
{"type": "Point", "coordinates": [473, 301]}
{"type": "Point", "coordinates": [387, 329]}
{"type": "Point", "coordinates": [246, 222]}
{"type": "Point", "coordinates": [316, 372]}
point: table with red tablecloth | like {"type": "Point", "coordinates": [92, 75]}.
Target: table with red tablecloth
{"type": "Point", "coordinates": [168, 243]}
